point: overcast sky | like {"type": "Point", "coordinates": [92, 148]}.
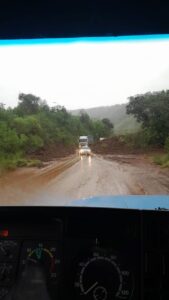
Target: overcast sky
{"type": "Point", "coordinates": [83, 74]}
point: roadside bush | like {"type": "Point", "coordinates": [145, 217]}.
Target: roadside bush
{"type": "Point", "coordinates": [167, 145]}
{"type": "Point", "coordinates": [9, 140]}
{"type": "Point", "coordinates": [7, 164]}
{"type": "Point", "coordinates": [162, 160]}
{"type": "Point", "coordinates": [140, 139]}
{"type": "Point", "coordinates": [9, 161]}
{"type": "Point", "coordinates": [35, 163]}
{"type": "Point", "coordinates": [13, 162]}
{"type": "Point", "coordinates": [21, 162]}
{"type": "Point", "coordinates": [31, 143]}
{"type": "Point", "coordinates": [27, 125]}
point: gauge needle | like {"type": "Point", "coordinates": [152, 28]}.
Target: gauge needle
{"type": "Point", "coordinates": [91, 288]}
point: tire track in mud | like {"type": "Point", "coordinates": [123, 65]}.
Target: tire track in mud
{"type": "Point", "coordinates": [22, 184]}
{"type": "Point", "coordinates": [143, 177]}
{"type": "Point", "coordinates": [75, 178]}
{"type": "Point", "coordinates": [48, 174]}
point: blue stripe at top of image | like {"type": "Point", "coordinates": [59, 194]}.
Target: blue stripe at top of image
{"type": "Point", "coordinates": [108, 39]}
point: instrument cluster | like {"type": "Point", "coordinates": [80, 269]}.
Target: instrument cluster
{"type": "Point", "coordinates": [90, 254]}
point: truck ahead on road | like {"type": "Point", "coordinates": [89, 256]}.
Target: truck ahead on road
{"type": "Point", "coordinates": [83, 141]}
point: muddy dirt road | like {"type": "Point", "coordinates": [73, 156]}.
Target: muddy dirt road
{"type": "Point", "coordinates": [90, 176]}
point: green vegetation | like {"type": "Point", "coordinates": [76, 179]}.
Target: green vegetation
{"type": "Point", "coordinates": [12, 162]}
{"type": "Point", "coordinates": [123, 123]}
{"type": "Point", "coordinates": [162, 160]}
{"type": "Point", "coordinates": [33, 125]}
{"type": "Point", "coordinates": [152, 111]}
{"type": "Point", "coordinates": [137, 140]}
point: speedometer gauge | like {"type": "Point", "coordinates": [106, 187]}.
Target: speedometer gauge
{"type": "Point", "coordinates": [101, 277]}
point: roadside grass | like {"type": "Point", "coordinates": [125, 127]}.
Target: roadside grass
{"type": "Point", "coordinates": [9, 163]}
{"type": "Point", "coordinates": [162, 160]}
{"type": "Point", "coordinates": [34, 163]}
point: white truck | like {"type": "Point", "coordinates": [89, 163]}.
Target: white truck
{"type": "Point", "coordinates": [83, 141]}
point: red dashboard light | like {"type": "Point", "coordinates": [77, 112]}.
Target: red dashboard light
{"type": "Point", "coordinates": [4, 233]}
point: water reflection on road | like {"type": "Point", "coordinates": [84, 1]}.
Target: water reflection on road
{"type": "Point", "coordinates": [89, 176]}
{"type": "Point", "coordinates": [85, 159]}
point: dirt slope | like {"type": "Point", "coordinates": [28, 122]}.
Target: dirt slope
{"type": "Point", "coordinates": [52, 152]}
{"type": "Point", "coordinates": [116, 145]}
{"type": "Point", "coordinates": [112, 146]}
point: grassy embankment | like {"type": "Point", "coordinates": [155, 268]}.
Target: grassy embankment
{"type": "Point", "coordinates": [14, 161]}
{"type": "Point", "coordinates": [158, 154]}
{"type": "Point", "coordinates": [162, 160]}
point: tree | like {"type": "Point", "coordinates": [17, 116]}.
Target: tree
{"type": "Point", "coordinates": [43, 106]}
{"type": "Point", "coordinates": [9, 140]}
{"type": "Point", "coordinates": [2, 106]}
{"type": "Point", "coordinates": [27, 125]}
{"type": "Point", "coordinates": [84, 118]}
{"type": "Point", "coordinates": [152, 110]}
{"type": "Point", "coordinates": [86, 121]}
{"type": "Point", "coordinates": [108, 123]}
{"type": "Point", "coordinates": [28, 104]}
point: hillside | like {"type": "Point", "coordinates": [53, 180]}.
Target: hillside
{"type": "Point", "coordinates": [123, 123]}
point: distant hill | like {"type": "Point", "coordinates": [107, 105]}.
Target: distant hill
{"type": "Point", "coordinates": [123, 123]}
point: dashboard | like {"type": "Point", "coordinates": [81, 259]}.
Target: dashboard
{"type": "Point", "coordinates": [56, 253]}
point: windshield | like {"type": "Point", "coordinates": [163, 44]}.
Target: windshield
{"type": "Point", "coordinates": [110, 93]}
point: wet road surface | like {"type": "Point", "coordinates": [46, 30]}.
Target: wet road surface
{"type": "Point", "coordinates": [89, 176]}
